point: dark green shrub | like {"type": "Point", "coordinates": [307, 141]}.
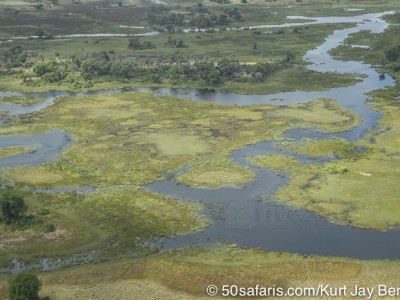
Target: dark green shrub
{"type": "Point", "coordinates": [24, 286]}
{"type": "Point", "coordinates": [48, 227]}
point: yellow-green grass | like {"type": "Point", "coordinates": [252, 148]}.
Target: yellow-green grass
{"type": "Point", "coordinates": [185, 274]}
{"type": "Point", "coordinates": [4, 152]}
{"type": "Point", "coordinates": [24, 101]}
{"type": "Point", "coordinates": [170, 143]}
{"type": "Point", "coordinates": [294, 79]}
{"type": "Point", "coordinates": [364, 192]}
{"type": "Point", "coordinates": [275, 162]}
{"type": "Point", "coordinates": [215, 174]}
{"type": "Point", "coordinates": [320, 148]}
{"type": "Point", "coordinates": [113, 221]}
{"type": "Point", "coordinates": [320, 114]}
{"type": "Point", "coordinates": [283, 81]}
{"type": "Point", "coordinates": [135, 138]}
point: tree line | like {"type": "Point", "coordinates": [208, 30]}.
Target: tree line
{"type": "Point", "coordinates": [195, 16]}
{"type": "Point", "coordinates": [173, 69]}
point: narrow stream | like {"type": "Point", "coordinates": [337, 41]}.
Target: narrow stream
{"type": "Point", "coordinates": [247, 216]}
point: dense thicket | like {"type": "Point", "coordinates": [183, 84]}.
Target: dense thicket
{"type": "Point", "coordinates": [194, 16]}
{"type": "Point", "coordinates": [13, 58]}
{"type": "Point", "coordinates": [175, 69]}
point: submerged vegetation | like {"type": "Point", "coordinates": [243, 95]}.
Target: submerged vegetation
{"type": "Point", "coordinates": [24, 101]}
{"type": "Point", "coordinates": [5, 152]}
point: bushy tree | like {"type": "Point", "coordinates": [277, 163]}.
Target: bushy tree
{"type": "Point", "coordinates": [49, 71]}
{"type": "Point", "coordinates": [393, 53]}
{"type": "Point", "coordinates": [12, 206]}
{"type": "Point", "coordinates": [96, 64]}
{"type": "Point", "coordinates": [24, 286]}
{"type": "Point", "coordinates": [134, 43]}
{"type": "Point", "coordinates": [290, 57]}
{"type": "Point", "coordinates": [13, 57]}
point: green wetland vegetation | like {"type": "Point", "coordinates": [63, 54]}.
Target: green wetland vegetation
{"type": "Point", "coordinates": [120, 142]}
{"type": "Point", "coordinates": [215, 173]}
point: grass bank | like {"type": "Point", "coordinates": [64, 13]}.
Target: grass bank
{"type": "Point", "coordinates": [216, 174]}
{"type": "Point", "coordinates": [4, 152]}
{"type": "Point", "coordinates": [275, 162]}
{"type": "Point", "coordinates": [185, 274]}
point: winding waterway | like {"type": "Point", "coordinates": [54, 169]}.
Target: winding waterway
{"type": "Point", "coordinates": [246, 216]}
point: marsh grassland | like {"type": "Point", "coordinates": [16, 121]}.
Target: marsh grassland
{"type": "Point", "coordinates": [375, 171]}
{"type": "Point", "coordinates": [184, 274]}
{"type": "Point", "coordinates": [120, 142]}
{"type": "Point", "coordinates": [135, 138]}
{"type": "Point", "coordinates": [5, 152]}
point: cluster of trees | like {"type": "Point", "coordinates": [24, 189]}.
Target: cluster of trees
{"type": "Point", "coordinates": [13, 209]}
{"type": "Point", "coordinates": [25, 285]}
{"type": "Point", "coordinates": [221, 1]}
{"type": "Point", "coordinates": [393, 54]}
{"type": "Point", "coordinates": [161, 15]}
{"type": "Point", "coordinates": [42, 35]}
{"type": "Point", "coordinates": [234, 13]}
{"type": "Point", "coordinates": [134, 43]}
{"type": "Point", "coordinates": [15, 57]}
{"type": "Point", "coordinates": [96, 64]}
{"type": "Point", "coordinates": [49, 71]}
{"type": "Point", "coordinates": [393, 57]}
{"type": "Point", "coordinates": [172, 43]}
{"type": "Point", "coordinates": [175, 69]}
{"type": "Point", "coordinates": [197, 16]}
{"type": "Point", "coordinates": [203, 21]}
{"type": "Point", "coordinates": [199, 8]}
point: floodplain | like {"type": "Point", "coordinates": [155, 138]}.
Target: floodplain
{"type": "Point", "coordinates": [212, 110]}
